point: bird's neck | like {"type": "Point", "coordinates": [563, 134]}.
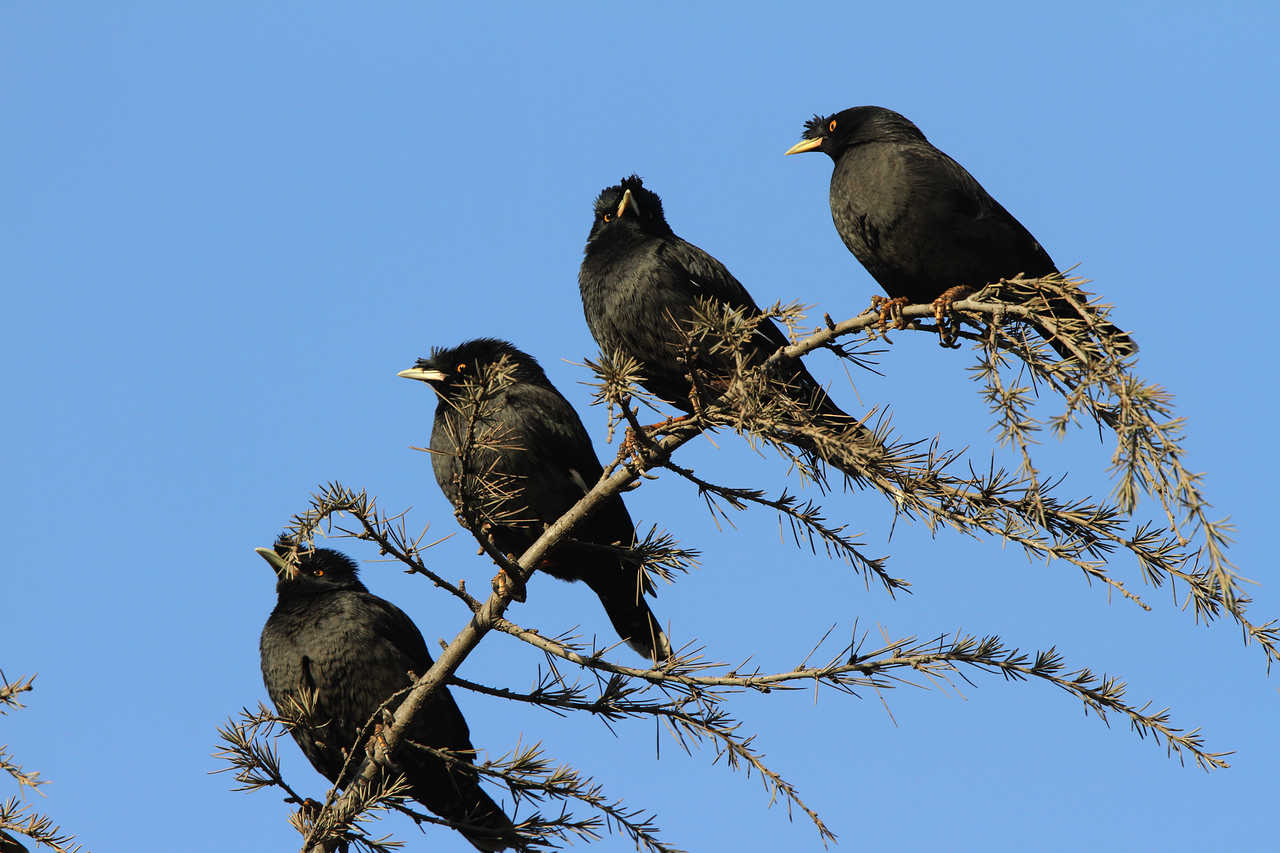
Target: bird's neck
{"type": "Point", "coordinates": [299, 593]}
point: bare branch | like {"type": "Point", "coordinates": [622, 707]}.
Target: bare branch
{"type": "Point", "coordinates": [920, 480]}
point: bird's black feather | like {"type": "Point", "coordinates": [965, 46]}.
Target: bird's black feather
{"type": "Point", "coordinates": [918, 221]}
{"type": "Point", "coordinates": [544, 461]}
{"type": "Point", "coordinates": [329, 634]}
{"type": "Point", "coordinates": [813, 127]}
{"type": "Point", "coordinates": [640, 286]}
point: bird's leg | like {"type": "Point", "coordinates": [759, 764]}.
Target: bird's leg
{"type": "Point", "coordinates": [633, 446]}
{"type": "Point", "coordinates": [377, 740]}
{"type": "Point", "coordinates": [942, 311]}
{"type": "Point", "coordinates": [890, 309]}
{"type": "Point", "coordinates": [674, 420]}
{"type": "Point", "coordinates": [504, 584]}
{"type": "Point", "coordinates": [635, 442]}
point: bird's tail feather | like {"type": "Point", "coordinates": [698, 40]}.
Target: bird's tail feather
{"type": "Point", "coordinates": [1118, 340]}
{"type": "Point", "coordinates": [487, 826]}
{"type": "Point", "coordinates": [632, 619]}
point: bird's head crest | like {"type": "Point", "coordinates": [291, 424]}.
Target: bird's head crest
{"type": "Point", "coordinates": [314, 568]}
{"type": "Point", "coordinates": [643, 210]}
{"type": "Point", "coordinates": [815, 127]}
{"type": "Point", "coordinates": [467, 361]}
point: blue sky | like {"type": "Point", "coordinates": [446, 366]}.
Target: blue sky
{"type": "Point", "coordinates": [226, 228]}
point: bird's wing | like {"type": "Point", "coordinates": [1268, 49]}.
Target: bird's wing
{"type": "Point", "coordinates": [709, 278]}
{"type": "Point", "coordinates": [561, 463]}
{"type": "Point", "coordinates": [554, 434]}
{"type": "Point", "coordinates": [985, 241]}
{"type": "Point", "coordinates": [399, 643]}
{"type": "Point", "coordinates": [402, 637]}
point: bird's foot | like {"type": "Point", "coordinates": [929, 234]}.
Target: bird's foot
{"type": "Point", "coordinates": [890, 310]}
{"type": "Point", "coordinates": [504, 584]}
{"type": "Point", "coordinates": [633, 448]}
{"type": "Point", "coordinates": [635, 445]}
{"type": "Point", "coordinates": [942, 312]}
{"type": "Point", "coordinates": [666, 425]}
{"type": "Point", "coordinates": [377, 744]}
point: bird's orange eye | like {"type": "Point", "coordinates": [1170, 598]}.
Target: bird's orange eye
{"type": "Point", "coordinates": [831, 127]}
{"type": "Point", "coordinates": [608, 217]}
{"type": "Point", "coordinates": [318, 573]}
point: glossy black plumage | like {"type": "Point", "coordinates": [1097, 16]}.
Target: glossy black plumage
{"type": "Point", "coordinates": [547, 463]}
{"type": "Point", "coordinates": [915, 218]}
{"type": "Point", "coordinates": [640, 284]}
{"type": "Point", "coordinates": [329, 634]}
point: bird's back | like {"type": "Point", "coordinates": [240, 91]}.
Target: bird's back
{"type": "Point", "coordinates": [920, 223]}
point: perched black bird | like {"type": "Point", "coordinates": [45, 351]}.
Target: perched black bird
{"type": "Point", "coordinates": [640, 286]}
{"type": "Point", "coordinates": [546, 464]}
{"type": "Point", "coordinates": [330, 635]}
{"type": "Point", "coordinates": [917, 220]}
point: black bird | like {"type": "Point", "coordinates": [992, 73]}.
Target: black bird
{"type": "Point", "coordinates": [640, 286]}
{"type": "Point", "coordinates": [330, 635]}
{"type": "Point", "coordinates": [546, 464]}
{"type": "Point", "coordinates": [918, 221]}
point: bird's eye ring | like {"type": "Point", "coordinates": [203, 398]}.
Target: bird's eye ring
{"type": "Point", "coordinates": [318, 573]}
{"type": "Point", "coordinates": [608, 217]}
{"type": "Point", "coordinates": [831, 127]}
{"type": "Point", "coordinates": [462, 365]}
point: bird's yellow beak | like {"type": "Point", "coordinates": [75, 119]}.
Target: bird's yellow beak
{"type": "Point", "coordinates": [278, 564]}
{"type": "Point", "coordinates": [628, 201]}
{"type": "Point", "coordinates": [422, 374]}
{"type": "Point", "coordinates": [805, 145]}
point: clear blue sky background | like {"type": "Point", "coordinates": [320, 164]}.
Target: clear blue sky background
{"type": "Point", "coordinates": [225, 229]}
